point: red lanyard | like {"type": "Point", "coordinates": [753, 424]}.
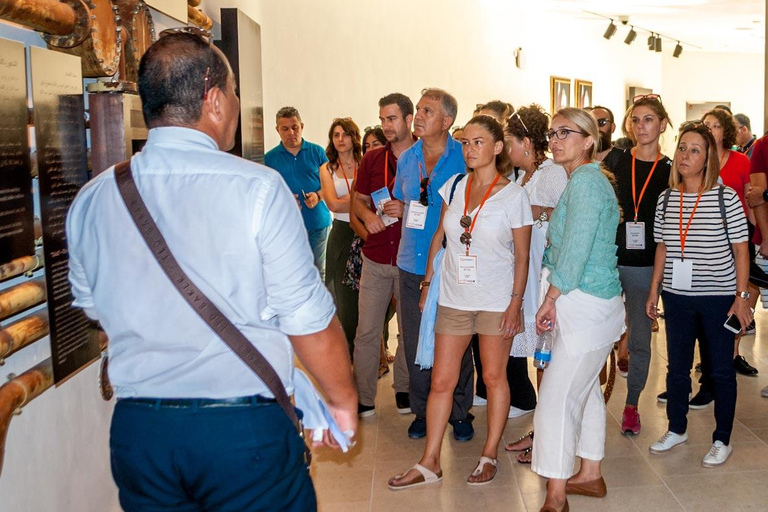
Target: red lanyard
{"type": "Point", "coordinates": [485, 198]}
{"type": "Point", "coordinates": [637, 200]}
{"type": "Point", "coordinates": [386, 169]}
{"type": "Point", "coordinates": [725, 155]}
{"type": "Point", "coordinates": [344, 174]}
{"type": "Point", "coordinates": [684, 234]}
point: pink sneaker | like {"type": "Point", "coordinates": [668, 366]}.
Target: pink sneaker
{"type": "Point", "coordinates": [630, 420]}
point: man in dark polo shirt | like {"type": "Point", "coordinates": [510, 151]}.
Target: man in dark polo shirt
{"type": "Point", "coordinates": [298, 162]}
{"type": "Point", "coordinates": [380, 276]}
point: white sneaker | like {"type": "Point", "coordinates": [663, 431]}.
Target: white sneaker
{"type": "Point", "coordinates": [668, 441]}
{"type": "Point", "coordinates": [515, 412]}
{"type": "Point", "coordinates": [479, 402]}
{"type": "Point", "coordinates": [717, 455]}
{"type": "Point", "coordinates": [764, 392]}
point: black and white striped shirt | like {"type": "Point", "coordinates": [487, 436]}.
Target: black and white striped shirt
{"type": "Point", "coordinates": [706, 244]}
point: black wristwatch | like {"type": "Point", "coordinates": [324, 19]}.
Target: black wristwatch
{"type": "Point", "coordinates": [765, 195]}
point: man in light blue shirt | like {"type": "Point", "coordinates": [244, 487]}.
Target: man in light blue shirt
{"type": "Point", "coordinates": [298, 162]}
{"type": "Point", "coordinates": [421, 170]}
{"type": "Point", "coordinates": [194, 428]}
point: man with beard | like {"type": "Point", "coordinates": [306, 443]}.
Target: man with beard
{"type": "Point", "coordinates": [606, 126]}
{"type": "Point", "coordinates": [380, 277]}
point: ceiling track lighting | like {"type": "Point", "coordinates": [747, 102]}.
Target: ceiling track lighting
{"type": "Point", "coordinates": [651, 41]}
{"type": "Point", "coordinates": [678, 50]}
{"type": "Point", "coordinates": [610, 30]}
{"type": "Point", "coordinates": [658, 44]}
{"type": "Point", "coordinates": [631, 35]}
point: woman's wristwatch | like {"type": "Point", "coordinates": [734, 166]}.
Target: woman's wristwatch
{"type": "Point", "coordinates": [744, 295]}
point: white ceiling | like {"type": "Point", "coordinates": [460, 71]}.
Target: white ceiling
{"type": "Point", "coordinates": [713, 25]}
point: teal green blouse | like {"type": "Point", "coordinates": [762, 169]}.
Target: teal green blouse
{"type": "Point", "coordinates": [582, 236]}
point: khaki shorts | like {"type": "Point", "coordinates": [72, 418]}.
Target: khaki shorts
{"type": "Point", "coordinates": [457, 322]}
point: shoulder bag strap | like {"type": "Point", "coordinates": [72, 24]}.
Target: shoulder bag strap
{"type": "Point", "coordinates": [203, 306]}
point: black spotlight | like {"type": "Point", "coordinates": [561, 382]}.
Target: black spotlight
{"type": "Point", "coordinates": [678, 50]}
{"type": "Point", "coordinates": [651, 41]}
{"type": "Point", "coordinates": [610, 31]}
{"type": "Point", "coordinates": [630, 36]}
{"type": "Point", "coordinates": [658, 43]}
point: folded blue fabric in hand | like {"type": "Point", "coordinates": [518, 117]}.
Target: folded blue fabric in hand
{"type": "Point", "coordinates": [425, 353]}
{"type": "Point", "coordinates": [317, 415]}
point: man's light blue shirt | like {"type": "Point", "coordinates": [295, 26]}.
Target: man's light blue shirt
{"type": "Point", "coordinates": [414, 244]}
{"type": "Point", "coordinates": [235, 230]}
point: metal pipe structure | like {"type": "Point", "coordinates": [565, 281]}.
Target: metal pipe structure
{"type": "Point", "coordinates": [193, 3]}
{"type": "Point", "coordinates": [51, 16]}
{"type": "Point", "coordinates": [18, 392]}
{"type": "Point", "coordinates": [199, 18]}
{"type": "Point", "coordinates": [20, 265]}
{"type": "Point", "coordinates": [22, 296]}
{"type": "Point", "coordinates": [22, 333]}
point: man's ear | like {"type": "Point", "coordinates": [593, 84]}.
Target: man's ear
{"type": "Point", "coordinates": [447, 123]}
{"type": "Point", "coordinates": [212, 104]}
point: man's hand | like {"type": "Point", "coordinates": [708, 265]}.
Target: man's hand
{"type": "Point", "coordinates": [394, 208]}
{"type": "Point", "coordinates": [312, 199]}
{"type": "Point", "coordinates": [754, 196]}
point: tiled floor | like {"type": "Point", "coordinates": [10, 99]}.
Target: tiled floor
{"type": "Point", "coordinates": [636, 479]}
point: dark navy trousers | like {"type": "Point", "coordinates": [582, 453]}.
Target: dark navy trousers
{"type": "Point", "coordinates": [244, 458]}
{"type": "Point", "coordinates": [688, 318]}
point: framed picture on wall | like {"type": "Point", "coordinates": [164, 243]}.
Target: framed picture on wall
{"type": "Point", "coordinates": [583, 94]}
{"type": "Point", "coordinates": [560, 93]}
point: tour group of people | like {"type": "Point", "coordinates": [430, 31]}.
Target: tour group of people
{"type": "Point", "coordinates": [519, 225]}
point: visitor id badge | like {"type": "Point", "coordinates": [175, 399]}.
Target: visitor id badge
{"type": "Point", "coordinates": [467, 269]}
{"type": "Point", "coordinates": [635, 235]}
{"type": "Point", "coordinates": [682, 274]}
{"type": "Point", "coordinates": [417, 215]}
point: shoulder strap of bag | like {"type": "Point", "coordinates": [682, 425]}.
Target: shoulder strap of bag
{"type": "Point", "coordinates": [203, 306]}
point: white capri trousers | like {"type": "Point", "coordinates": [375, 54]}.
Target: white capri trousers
{"type": "Point", "coordinates": [570, 416]}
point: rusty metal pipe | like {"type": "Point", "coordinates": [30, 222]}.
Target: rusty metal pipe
{"type": "Point", "coordinates": [199, 18]}
{"type": "Point", "coordinates": [18, 392]}
{"type": "Point", "coordinates": [51, 16]}
{"type": "Point", "coordinates": [22, 333]}
{"type": "Point", "coordinates": [20, 265]}
{"type": "Point", "coordinates": [22, 296]}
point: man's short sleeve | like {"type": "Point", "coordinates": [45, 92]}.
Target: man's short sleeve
{"type": "Point", "coordinates": [363, 181]}
{"type": "Point", "coordinates": [759, 161]}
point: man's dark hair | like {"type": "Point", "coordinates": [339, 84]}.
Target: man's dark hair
{"type": "Point", "coordinates": [172, 79]}
{"type": "Point", "coordinates": [725, 107]}
{"type": "Point", "coordinates": [743, 120]}
{"type": "Point", "coordinates": [287, 113]}
{"type": "Point", "coordinates": [610, 113]}
{"type": "Point", "coordinates": [402, 101]}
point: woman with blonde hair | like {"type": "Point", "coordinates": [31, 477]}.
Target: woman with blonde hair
{"type": "Point", "coordinates": [582, 307]}
{"type": "Point", "coordinates": [701, 263]}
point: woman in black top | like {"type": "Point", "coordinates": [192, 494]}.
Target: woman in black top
{"type": "Point", "coordinates": [642, 173]}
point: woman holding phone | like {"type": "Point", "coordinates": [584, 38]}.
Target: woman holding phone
{"type": "Point", "coordinates": [701, 263]}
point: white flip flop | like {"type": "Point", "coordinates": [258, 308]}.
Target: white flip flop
{"type": "Point", "coordinates": [427, 477]}
{"type": "Point", "coordinates": [479, 469]}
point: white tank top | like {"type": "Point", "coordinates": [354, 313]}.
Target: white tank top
{"type": "Point", "coordinates": [341, 184]}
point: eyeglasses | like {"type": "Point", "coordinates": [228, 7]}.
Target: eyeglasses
{"type": "Point", "coordinates": [202, 34]}
{"type": "Point", "coordinates": [562, 134]}
{"type": "Point", "coordinates": [424, 196]}
{"type": "Point", "coordinates": [517, 116]}
{"type": "Point", "coordinates": [603, 121]}
{"type": "Point", "coordinates": [371, 128]}
{"type": "Point", "coordinates": [639, 97]}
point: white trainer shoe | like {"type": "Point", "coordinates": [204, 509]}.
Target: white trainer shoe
{"type": "Point", "coordinates": [668, 441]}
{"type": "Point", "coordinates": [717, 455]}
{"type": "Point", "coordinates": [516, 412]}
{"type": "Point", "coordinates": [479, 402]}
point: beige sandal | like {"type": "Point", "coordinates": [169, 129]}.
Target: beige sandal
{"type": "Point", "coordinates": [479, 470]}
{"type": "Point", "coordinates": [425, 477]}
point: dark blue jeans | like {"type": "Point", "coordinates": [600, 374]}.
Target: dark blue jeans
{"type": "Point", "coordinates": [688, 318]}
{"type": "Point", "coordinates": [240, 459]}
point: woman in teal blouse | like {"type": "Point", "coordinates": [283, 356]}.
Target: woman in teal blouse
{"type": "Point", "coordinates": [583, 307]}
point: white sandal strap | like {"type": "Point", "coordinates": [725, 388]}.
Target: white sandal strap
{"type": "Point", "coordinates": [429, 475]}
{"type": "Point", "coordinates": [483, 462]}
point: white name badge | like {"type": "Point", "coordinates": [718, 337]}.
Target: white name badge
{"type": "Point", "coordinates": [417, 215]}
{"type": "Point", "coordinates": [682, 274]}
{"type": "Point", "coordinates": [467, 268]}
{"type": "Point", "coordinates": [635, 235]}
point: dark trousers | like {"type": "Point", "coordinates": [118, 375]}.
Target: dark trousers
{"type": "Point", "coordinates": [420, 380]}
{"type": "Point", "coordinates": [241, 459]}
{"type": "Point", "coordinates": [337, 254]}
{"type": "Point", "coordinates": [521, 392]}
{"type": "Point", "coordinates": [688, 318]}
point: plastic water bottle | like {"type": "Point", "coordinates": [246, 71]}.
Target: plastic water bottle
{"type": "Point", "coordinates": [543, 353]}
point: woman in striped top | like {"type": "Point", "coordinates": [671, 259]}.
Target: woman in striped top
{"type": "Point", "coordinates": [701, 262]}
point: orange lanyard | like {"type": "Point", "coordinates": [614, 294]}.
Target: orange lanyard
{"type": "Point", "coordinates": [684, 234]}
{"type": "Point", "coordinates": [485, 198]}
{"type": "Point", "coordinates": [637, 200]}
{"type": "Point", "coordinates": [346, 180]}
